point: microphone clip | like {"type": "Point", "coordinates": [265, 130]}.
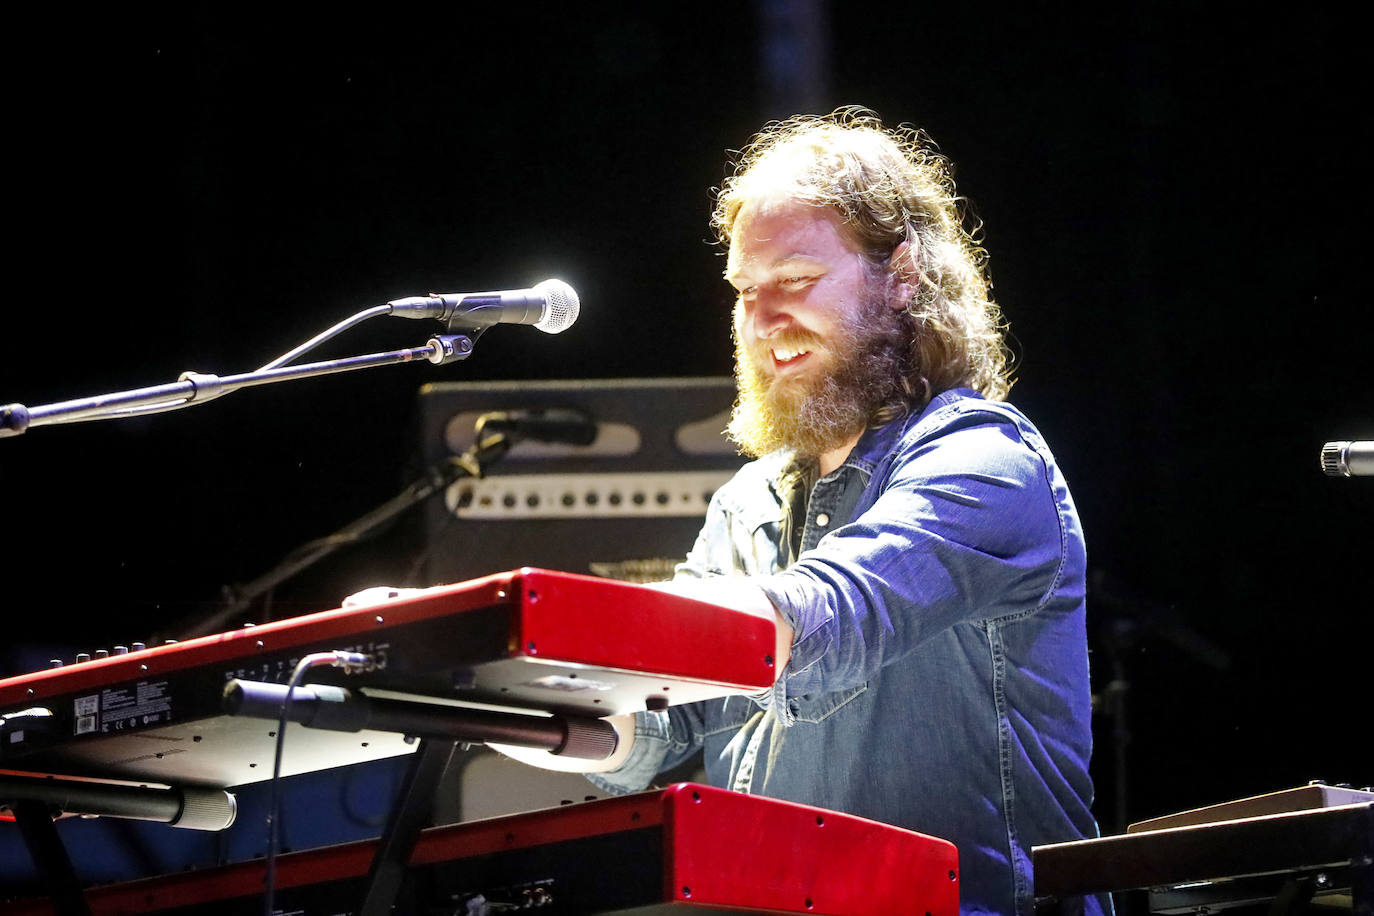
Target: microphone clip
{"type": "Point", "coordinates": [450, 348]}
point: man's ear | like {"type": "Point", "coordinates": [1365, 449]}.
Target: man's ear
{"type": "Point", "coordinates": [901, 266]}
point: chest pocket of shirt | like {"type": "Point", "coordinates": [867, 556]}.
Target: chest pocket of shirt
{"type": "Point", "coordinates": [813, 709]}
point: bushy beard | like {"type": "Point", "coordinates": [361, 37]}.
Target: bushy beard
{"type": "Point", "coordinates": [860, 370]}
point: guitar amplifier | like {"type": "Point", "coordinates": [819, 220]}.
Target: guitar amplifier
{"type": "Point", "coordinates": [627, 506]}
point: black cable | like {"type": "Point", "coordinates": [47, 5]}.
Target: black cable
{"type": "Point", "coordinates": [350, 662]}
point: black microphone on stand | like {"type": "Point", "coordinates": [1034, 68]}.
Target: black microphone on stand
{"type": "Point", "coordinates": [1348, 459]}
{"type": "Point", "coordinates": [497, 431]}
{"type": "Point", "coordinates": [555, 424]}
{"type": "Point", "coordinates": [551, 306]}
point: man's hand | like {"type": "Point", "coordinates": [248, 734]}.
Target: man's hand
{"type": "Point", "coordinates": [379, 594]}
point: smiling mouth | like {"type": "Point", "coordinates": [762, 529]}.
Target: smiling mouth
{"type": "Point", "coordinates": [787, 356]}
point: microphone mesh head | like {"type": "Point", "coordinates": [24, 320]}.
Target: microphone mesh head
{"type": "Point", "coordinates": [561, 309]}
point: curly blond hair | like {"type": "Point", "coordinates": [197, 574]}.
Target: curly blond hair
{"type": "Point", "coordinates": [889, 186]}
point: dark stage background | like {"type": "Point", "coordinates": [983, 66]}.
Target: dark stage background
{"type": "Point", "coordinates": [1176, 208]}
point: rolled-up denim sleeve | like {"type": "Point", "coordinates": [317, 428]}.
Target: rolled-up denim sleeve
{"type": "Point", "coordinates": [966, 528]}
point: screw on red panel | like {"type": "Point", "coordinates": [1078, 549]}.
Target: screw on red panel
{"type": "Point", "coordinates": [809, 904]}
{"type": "Point", "coordinates": [952, 875]}
{"type": "Point", "coordinates": [820, 821]}
{"type": "Point", "coordinates": [686, 891]}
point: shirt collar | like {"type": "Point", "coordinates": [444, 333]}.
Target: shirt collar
{"type": "Point", "coordinates": [878, 441]}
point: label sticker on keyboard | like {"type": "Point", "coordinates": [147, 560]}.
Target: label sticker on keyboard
{"type": "Point", "coordinates": [125, 708]}
{"type": "Point", "coordinates": [84, 710]}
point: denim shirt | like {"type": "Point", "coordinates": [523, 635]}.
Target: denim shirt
{"type": "Point", "coordinates": [939, 671]}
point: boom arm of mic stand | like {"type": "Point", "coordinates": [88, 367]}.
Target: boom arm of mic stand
{"type": "Point", "coordinates": [199, 388]}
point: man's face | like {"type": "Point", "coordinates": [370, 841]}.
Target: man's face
{"type": "Point", "coordinates": [817, 341]}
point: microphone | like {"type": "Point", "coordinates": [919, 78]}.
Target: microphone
{"type": "Point", "coordinates": [544, 425]}
{"type": "Point", "coordinates": [1348, 459]}
{"type": "Point", "coordinates": [551, 307]}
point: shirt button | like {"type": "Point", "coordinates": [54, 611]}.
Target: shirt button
{"type": "Point", "coordinates": [822, 520]}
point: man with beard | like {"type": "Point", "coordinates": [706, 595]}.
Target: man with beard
{"type": "Point", "coordinates": [908, 532]}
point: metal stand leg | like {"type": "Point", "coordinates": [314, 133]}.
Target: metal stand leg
{"type": "Point", "coordinates": [403, 827]}
{"type": "Point", "coordinates": [50, 857]}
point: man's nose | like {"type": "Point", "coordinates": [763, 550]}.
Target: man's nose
{"type": "Point", "coordinates": [768, 314]}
